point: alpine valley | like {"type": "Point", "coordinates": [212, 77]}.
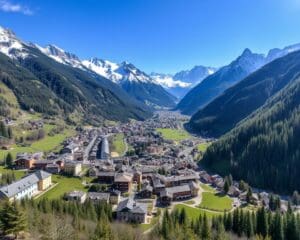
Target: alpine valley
{"type": "Point", "coordinates": [92, 149]}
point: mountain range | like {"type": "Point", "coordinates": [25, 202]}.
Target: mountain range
{"type": "Point", "coordinates": [54, 87]}
{"type": "Point", "coordinates": [182, 82]}
{"type": "Point", "coordinates": [227, 76]}
{"type": "Point", "coordinates": [263, 113]}
{"type": "Point", "coordinates": [134, 81]}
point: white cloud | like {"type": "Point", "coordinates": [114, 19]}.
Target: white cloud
{"type": "Point", "coordinates": [8, 6]}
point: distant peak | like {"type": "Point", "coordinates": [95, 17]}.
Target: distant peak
{"type": "Point", "coordinates": [247, 51]}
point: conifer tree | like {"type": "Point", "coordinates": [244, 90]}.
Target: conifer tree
{"type": "Point", "coordinates": [9, 160]}
{"type": "Point", "coordinates": [277, 227]}
{"type": "Point", "coordinates": [205, 231]}
{"type": "Point", "coordinates": [12, 219]}
{"type": "Point", "coordinates": [249, 226]}
{"type": "Point", "coordinates": [226, 186]}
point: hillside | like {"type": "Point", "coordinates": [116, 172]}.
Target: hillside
{"type": "Point", "coordinates": [264, 148]}
{"type": "Point", "coordinates": [135, 82]}
{"type": "Point", "coordinates": [226, 77]}
{"type": "Point", "coordinates": [217, 83]}
{"type": "Point", "coordinates": [48, 87]}
{"type": "Point", "coordinates": [238, 102]}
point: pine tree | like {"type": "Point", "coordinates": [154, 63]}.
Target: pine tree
{"type": "Point", "coordinates": [9, 160]}
{"type": "Point", "coordinates": [262, 222]}
{"type": "Point", "coordinates": [277, 227]}
{"type": "Point", "coordinates": [249, 225]}
{"type": "Point", "coordinates": [103, 230]}
{"type": "Point", "coordinates": [205, 231]}
{"type": "Point", "coordinates": [226, 186]}
{"type": "Point", "coordinates": [9, 133]}
{"type": "Point", "coordinates": [12, 219]}
{"type": "Point", "coordinates": [3, 130]}
{"type": "Point", "coordinates": [183, 217]}
{"type": "Point", "coordinates": [249, 195]}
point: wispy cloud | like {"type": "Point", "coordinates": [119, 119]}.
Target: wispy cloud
{"type": "Point", "coordinates": [8, 6]}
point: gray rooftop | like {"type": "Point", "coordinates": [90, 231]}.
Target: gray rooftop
{"type": "Point", "coordinates": [18, 186]}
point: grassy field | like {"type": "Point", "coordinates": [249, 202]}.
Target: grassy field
{"type": "Point", "coordinates": [194, 213]}
{"type": "Point", "coordinates": [48, 143]}
{"type": "Point", "coordinates": [215, 201]}
{"type": "Point", "coordinates": [18, 174]}
{"type": "Point", "coordinates": [173, 134]}
{"type": "Point", "coordinates": [190, 202]}
{"type": "Point", "coordinates": [65, 184]}
{"type": "Point", "coordinates": [207, 188]}
{"type": "Point", "coordinates": [118, 144]}
{"type": "Point", "coordinates": [203, 146]}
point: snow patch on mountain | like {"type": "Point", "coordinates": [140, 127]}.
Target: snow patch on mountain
{"type": "Point", "coordinates": [10, 45]}
{"type": "Point", "coordinates": [61, 56]}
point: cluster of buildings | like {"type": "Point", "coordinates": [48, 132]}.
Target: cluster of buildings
{"type": "Point", "coordinates": [155, 170]}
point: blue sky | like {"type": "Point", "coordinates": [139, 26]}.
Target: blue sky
{"type": "Point", "coordinates": [156, 35]}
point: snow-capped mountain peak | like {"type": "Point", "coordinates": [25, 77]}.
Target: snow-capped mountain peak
{"type": "Point", "coordinates": [250, 61]}
{"type": "Point", "coordinates": [133, 74]}
{"type": "Point", "coordinates": [61, 55]}
{"type": "Point", "coordinates": [118, 73]}
{"type": "Point", "coordinates": [104, 68]}
{"type": "Point", "coordinates": [10, 45]}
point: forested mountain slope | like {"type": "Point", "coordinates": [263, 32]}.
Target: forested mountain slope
{"type": "Point", "coordinates": [215, 84]}
{"type": "Point", "coordinates": [46, 86]}
{"type": "Point", "coordinates": [264, 149]}
{"type": "Point", "coordinates": [239, 101]}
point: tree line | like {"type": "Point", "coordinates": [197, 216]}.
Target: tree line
{"type": "Point", "coordinates": [60, 220]}
{"type": "Point", "coordinates": [239, 224]}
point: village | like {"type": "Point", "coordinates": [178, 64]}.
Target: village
{"type": "Point", "coordinates": [156, 168]}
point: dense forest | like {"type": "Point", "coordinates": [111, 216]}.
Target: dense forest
{"type": "Point", "coordinates": [223, 113]}
{"type": "Point", "coordinates": [239, 224]}
{"type": "Point", "coordinates": [59, 219]}
{"type": "Point", "coordinates": [264, 149]}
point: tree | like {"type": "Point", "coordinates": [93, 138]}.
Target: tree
{"type": "Point", "coordinates": [262, 226]}
{"type": "Point", "coordinates": [12, 219]}
{"type": "Point", "coordinates": [242, 186]}
{"type": "Point", "coordinates": [205, 231]}
{"type": "Point", "coordinates": [249, 195]}
{"type": "Point", "coordinates": [9, 133]}
{"type": "Point", "coordinates": [9, 160]}
{"type": "Point", "coordinates": [226, 186]}
{"type": "Point", "coordinates": [3, 130]}
{"type": "Point", "coordinates": [103, 230]}
{"type": "Point", "coordinates": [277, 227]}
{"type": "Point", "coordinates": [249, 226]}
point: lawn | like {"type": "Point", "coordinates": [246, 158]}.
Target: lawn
{"type": "Point", "coordinates": [203, 146]}
{"type": "Point", "coordinates": [190, 202]}
{"type": "Point", "coordinates": [207, 188]}
{"type": "Point", "coordinates": [48, 143]}
{"type": "Point", "coordinates": [65, 184]}
{"type": "Point", "coordinates": [118, 144]}
{"type": "Point", "coordinates": [18, 173]}
{"type": "Point", "coordinates": [173, 134]}
{"type": "Point", "coordinates": [194, 213]}
{"type": "Point", "coordinates": [215, 201]}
